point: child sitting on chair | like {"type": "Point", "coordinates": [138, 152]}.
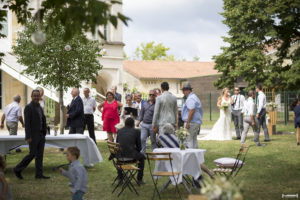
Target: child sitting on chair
{"type": "Point", "coordinates": [77, 173]}
{"type": "Point", "coordinates": [5, 192]}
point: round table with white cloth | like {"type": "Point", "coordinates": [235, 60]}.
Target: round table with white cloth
{"type": "Point", "coordinates": [185, 161]}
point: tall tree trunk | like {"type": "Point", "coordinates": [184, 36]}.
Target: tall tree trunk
{"type": "Point", "coordinates": [61, 111]}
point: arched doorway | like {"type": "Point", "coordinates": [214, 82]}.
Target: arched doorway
{"type": "Point", "coordinates": [104, 82]}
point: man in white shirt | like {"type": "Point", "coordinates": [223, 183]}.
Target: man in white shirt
{"type": "Point", "coordinates": [236, 111]}
{"type": "Point", "coordinates": [89, 106]}
{"type": "Point", "coordinates": [261, 111]}
{"type": "Point", "coordinates": [13, 114]}
{"type": "Point", "coordinates": [249, 119]}
{"type": "Point", "coordinates": [139, 101]}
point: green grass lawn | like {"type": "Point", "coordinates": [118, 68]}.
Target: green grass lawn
{"type": "Point", "coordinates": [269, 171]}
{"type": "Point", "coordinates": [280, 127]}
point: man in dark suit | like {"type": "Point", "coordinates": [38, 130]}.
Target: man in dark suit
{"type": "Point", "coordinates": [75, 113]}
{"type": "Point", "coordinates": [129, 139]}
{"type": "Point", "coordinates": [35, 132]}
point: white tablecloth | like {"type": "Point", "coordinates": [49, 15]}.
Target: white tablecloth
{"type": "Point", "coordinates": [185, 161]}
{"type": "Point", "coordinates": [88, 150]}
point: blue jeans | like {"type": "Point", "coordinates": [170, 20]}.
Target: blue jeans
{"type": "Point", "coordinates": [77, 195]}
{"type": "Point", "coordinates": [146, 131]}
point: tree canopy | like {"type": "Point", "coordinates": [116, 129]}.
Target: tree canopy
{"type": "Point", "coordinates": [150, 51]}
{"type": "Point", "coordinates": [75, 16]}
{"type": "Point", "coordinates": [57, 63]}
{"type": "Point", "coordinates": [255, 28]}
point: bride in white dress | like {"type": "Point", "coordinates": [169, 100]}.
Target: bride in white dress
{"type": "Point", "coordinates": [221, 129]}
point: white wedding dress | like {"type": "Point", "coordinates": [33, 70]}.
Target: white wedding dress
{"type": "Point", "coordinates": [221, 129]}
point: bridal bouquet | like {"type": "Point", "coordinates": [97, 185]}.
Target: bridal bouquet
{"type": "Point", "coordinates": [182, 134]}
{"type": "Point", "coordinates": [224, 105]}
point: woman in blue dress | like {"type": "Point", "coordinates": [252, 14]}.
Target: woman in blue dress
{"type": "Point", "coordinates": [296, 108]}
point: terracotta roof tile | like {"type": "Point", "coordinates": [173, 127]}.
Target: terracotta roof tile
{"type": "Point", "coordinates": [168, 69]}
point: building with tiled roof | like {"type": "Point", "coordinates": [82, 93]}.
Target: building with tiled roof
{"type": "Point", "coordinates": [146, 75]}
{"type": "Point", "coordinates": [157, 69]}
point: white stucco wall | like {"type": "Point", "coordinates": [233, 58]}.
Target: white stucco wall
{"type": "Point", "coordinates": [144, 85]}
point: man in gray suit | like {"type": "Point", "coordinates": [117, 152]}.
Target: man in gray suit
{"type": "Point", "coordinates": [165, 109]}
{"type": "Point", "coordinates": [261, 111]}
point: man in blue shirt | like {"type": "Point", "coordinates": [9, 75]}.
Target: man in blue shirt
{"type": "Point", "coordinates": [192, 115]}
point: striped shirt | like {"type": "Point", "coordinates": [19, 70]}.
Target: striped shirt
{"type": "Point", "coordinates": [168, 140]}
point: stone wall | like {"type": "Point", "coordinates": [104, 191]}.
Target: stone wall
{"type": "Point", "coordinates": [204, 84]}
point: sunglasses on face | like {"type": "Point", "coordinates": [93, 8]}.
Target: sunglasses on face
{"type": "Point", "coordinates": [152, 95]}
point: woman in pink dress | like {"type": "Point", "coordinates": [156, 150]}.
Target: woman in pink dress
{"type": "Point", "coordinates": [110, 114]}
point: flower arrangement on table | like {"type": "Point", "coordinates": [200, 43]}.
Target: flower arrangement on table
{"type": "Point", "coordinates": [182, 134]}
{"type": "Point", "coordinates": [221, 189]}
{"type": "Point", "coordinates": [271, 106]}
{"type": "Point", "coordinates": [225, 105]}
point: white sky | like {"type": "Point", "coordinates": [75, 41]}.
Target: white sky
{"type": "Point", "coordinates": [188, 27]}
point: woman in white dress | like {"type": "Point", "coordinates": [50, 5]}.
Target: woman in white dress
{"type": "Point", "coordinates": [221, 129]}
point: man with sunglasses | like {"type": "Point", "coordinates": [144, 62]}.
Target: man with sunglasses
{"type": "Point", "coordinates": [146, 116]}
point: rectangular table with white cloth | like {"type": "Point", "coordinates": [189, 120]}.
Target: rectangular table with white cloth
{"type": "Point", "coordinates": [187, 162]}
{"type": "Point", "coordinates": [89, 152]}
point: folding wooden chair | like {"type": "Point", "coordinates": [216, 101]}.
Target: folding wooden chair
{"type": "Point", "coordinates": [155, 175]}
{"type": "Point", "coordinates": [113, 156]}
{"type": "Point", "coordinates": [232, 170]}
{"type": "Point", "coordinates": [127, 168]}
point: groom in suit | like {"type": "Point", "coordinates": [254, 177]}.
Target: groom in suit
{"type": "Point", "coordinates": [35, 132]}
{"type": "Point", "coordinates": [75, 113]}
{"type": "Point", "coordinates": [236, 112]}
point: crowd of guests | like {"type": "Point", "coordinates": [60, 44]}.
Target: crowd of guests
{"type": "Point", "coordinates": [129, 124]}
{"type": "Point", "coordinates": [156, 118]}
{"type": "Point", "coordinates": [246, 113]}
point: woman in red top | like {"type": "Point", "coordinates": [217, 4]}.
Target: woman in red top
{"type": "Point", "coordinates": [110, 114]}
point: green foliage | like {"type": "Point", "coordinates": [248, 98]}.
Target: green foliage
{"type": "Point", "coordinates": [125, 57]}
{"type": "Point", "coordinates": [255, 26]}
{"type": "Point", "coordinates": [2, 18]}
{"type": "Point", "coordinates": [268, 172]}
{"type": "Point", "coordinates": [50, 64]}
{"type": "Point", "coordinates": [134, 90]}
{"type": "Point", "coordinates": [125, 87]}
{"type": "Point", "coordinates": [196, 58]}
{"type": "Point", "coordinates": [150, 51]}
{"type": "Point", "coordinates": [75, 16]}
